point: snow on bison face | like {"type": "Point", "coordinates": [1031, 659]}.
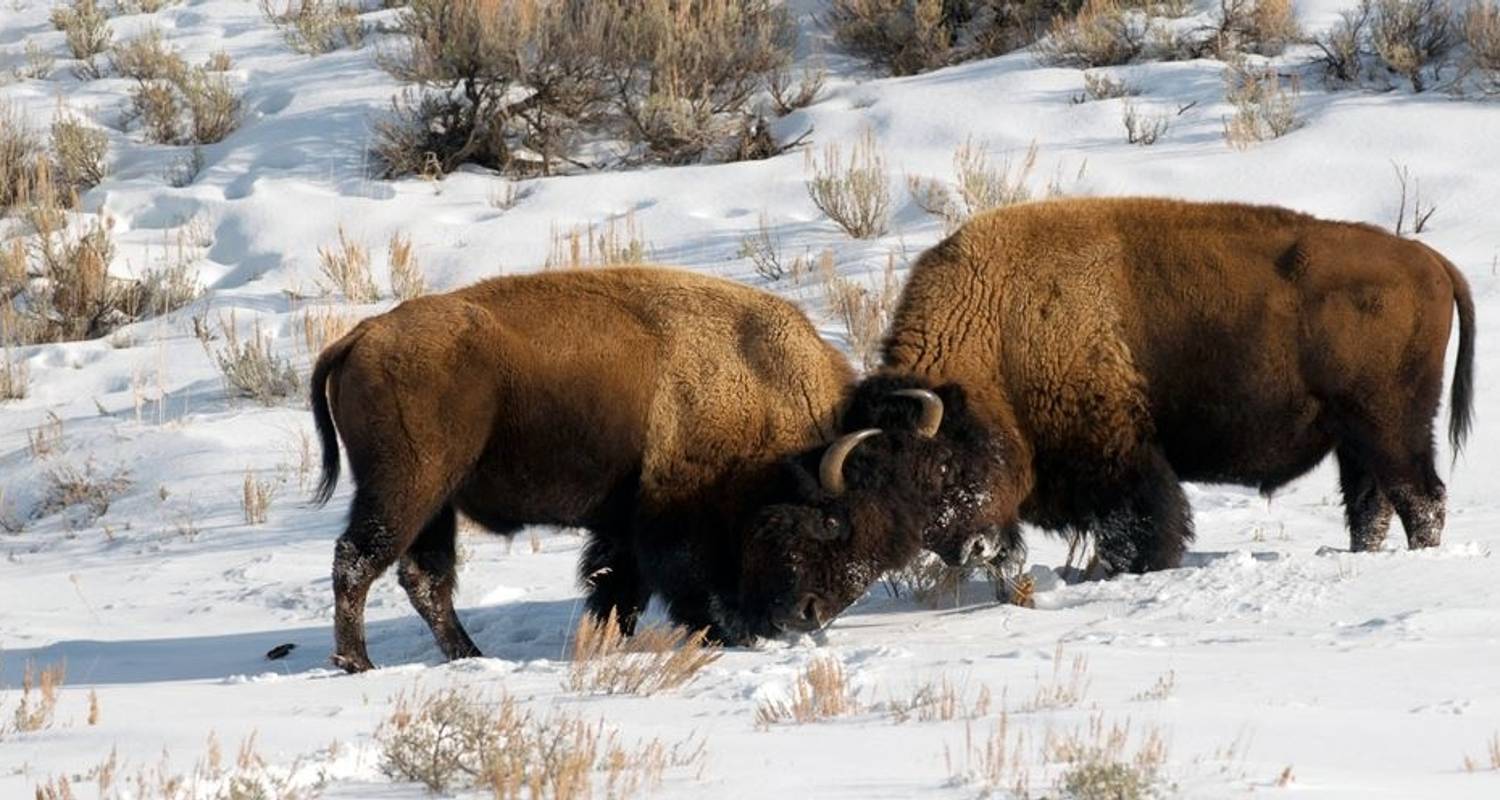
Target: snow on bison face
{"type": "Point", "coordinates": [867, 503]}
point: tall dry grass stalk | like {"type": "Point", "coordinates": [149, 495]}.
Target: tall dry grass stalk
{"type": "Point", "coordinates": [820, 691]}
{"type": "Point", "coordinates": [1067, 687]}
{"type": "Point", "coordinates": [940, 701]}
{"type": "Point", "coordinates": [655, 659]}
{"type": "Point", "coordinates": [320, 326]}
{"type": "Point", "coordinates": [620, 242]}
{"type": "Point", "coordinates": [40, 691]}
{"type": "Point", "coordinates": [864, 313]}
{"type": "Point", "coordinates": [255, 498]}
{"type": "Point", "coordinates": [407, 280]}
{"type": "Point", "coordinates": [346, 266]}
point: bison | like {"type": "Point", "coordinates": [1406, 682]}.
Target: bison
{"type": "Point", "coordinates": [1094, 353]}
{"type": "Point", "coordinates": [649, 406]}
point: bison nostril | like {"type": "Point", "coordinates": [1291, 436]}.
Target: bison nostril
{"type": "Point", "coordinates": [811, 609]}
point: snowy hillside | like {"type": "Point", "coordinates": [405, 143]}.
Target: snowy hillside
{"type": "Point", "coordinates": [1273, 661]}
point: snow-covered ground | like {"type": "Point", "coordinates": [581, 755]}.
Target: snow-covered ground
{"type": "Point", "coordinates": [1274, 660]}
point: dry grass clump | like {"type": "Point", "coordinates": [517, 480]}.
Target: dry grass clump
{"type": "Point", "coordinates": [1067, 687]}
{"type": "Point", "coordinates": [39, 695]}
{"type": "Point", "coordinates": [911, 36]}
{"type": "Point", "coordinates": [407, 280]}
{"type": "Point", "coordinates": [321, 325]}
{"type": "Point", "coordinates": [1413, 36]}
{"type": "Point", "coordinates": [69, 293]}
{"type": "Point", "coordinates": [1100, 86]}
{"type": "Point", "coordinates": [241, 775]}
{"type": "Point", "coordinates": [314, 27]}
{"type": "Point", "coordinates": [1142, 128]}
{"type": "Point", "coordinates": [1159, 691]}
{"type": "Point", "coordinates": [147, 57]}
{"type": "Point", "coordinates": [346, 266]}
{"type": "Point", "coordinates": [1251, 26]}
{"type": "Point", "coordinates": [863, 312]}
{"type": "Point", "coordinates": [821, 691]}
{"type": "Point", "coordinates": [20, 157]}
{"type": "Point", "coordinates": [1493, 747]}
{"type": "Point", "coordinates": [256, 494]}
{"type": "Point", "coordinates": [15, 376]}
{"type": "Point", "coordinates": [672, 81]}
{"type": "Point", "coordinates": [46, 438]}
{"type": "Point", "coordinates": [655, 659]}
{"type": "Point", "coordinates": [69, 487]}
{"type": "Point", "coordinates": [1264, 107]}
{"type": "Point", "coordinates": [85, 24]}
{"type": "Point", "coordinates": [1481, 30]}
{"type": "Point", "coordinates": [620, 242]}
{"type": "Point", "coordinates": [37, 65]}
{"type": "Point", "coordinates": [1099, 765]}
{"type": "Point", "coordinates": [939, 702]}
{"type": "Point", "coordinates": [143, 6]}
{"type": "Point", "coordinates": [457, 739]}
{"type": "Point", "coordinates": [1103, 33]}
{"type": "Point", "coordinates": [979, 184]}
{"type": "Point", "coordinates": [80, 152]}
{"type": "Point", "coordinates": [856, 193]}
{"type": "Point", "coordinates": [187, 106]}
{"type": "Point", "coordinates": [249, 366]}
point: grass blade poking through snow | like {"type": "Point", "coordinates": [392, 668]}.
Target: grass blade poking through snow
{"type": "Point", "coordinates": [655, 659]}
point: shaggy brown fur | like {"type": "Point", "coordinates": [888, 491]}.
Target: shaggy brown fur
{"type": "Point", "coordinates": [1117, 346]}
{"type": "Point", "coordinates": [646, 405]}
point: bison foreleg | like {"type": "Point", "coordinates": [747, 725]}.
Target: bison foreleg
{"type": "Point", "coordinates": [429, 575]}
{"type": "Point", "coordinates": [1149, 523]}
{"type": "Point", "coordinates": [613, 580]}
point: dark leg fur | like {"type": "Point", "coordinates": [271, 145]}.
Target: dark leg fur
{"type": "Point", "coordinates": [429, 575]}
{"type": "Point", "coordinates": [367, 548]}
{"type": "Point", "coordinates": [609, 571]}
{"type": "Point", "coordinates": [1366, 507]}
{"type": "Point", "coordinates": [1150, 524]}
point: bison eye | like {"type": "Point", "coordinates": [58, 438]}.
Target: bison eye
{"type": "Point", "coordinates": [830, 522]}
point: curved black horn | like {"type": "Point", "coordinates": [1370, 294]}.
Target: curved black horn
{"type": "Point", "coordinates": [932, 410]}
{"type": "Point", "coordinates": [831, 468]}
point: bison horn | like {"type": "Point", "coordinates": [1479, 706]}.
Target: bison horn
{"type": "Point", "coordinates": [831, 468]}
{"type": "Point", "coordinates": [932, 410]}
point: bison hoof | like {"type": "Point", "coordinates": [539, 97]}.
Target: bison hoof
{"type": "Point", "coordinates": [351, 664]}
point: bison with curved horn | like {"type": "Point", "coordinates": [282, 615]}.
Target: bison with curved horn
{"type": "Point", "coordinates": [1091, 354]}
{"type": "Point", "coordinates": [649, 406]}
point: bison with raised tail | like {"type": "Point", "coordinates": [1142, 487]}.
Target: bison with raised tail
{"type": "Point", "coordinates": [649, 406]}
{"type": "Point", "coordinates": [1097, 352]}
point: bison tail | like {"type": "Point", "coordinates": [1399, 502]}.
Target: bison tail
{"type": "Point", "coordinates": [329, 361]}
{"type": "Point", "coordinates": [1461, 406]}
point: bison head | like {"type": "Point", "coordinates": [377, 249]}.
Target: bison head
{"type": "Point", "coordinates": [914, 465]}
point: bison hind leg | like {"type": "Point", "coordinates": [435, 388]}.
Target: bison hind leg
{"type": "Point", "coordinates": [1147, 523]}
{"type": "Point", "coordinates": [1366, 507]}
{"type": "Point", "coordinates": [429, 575]}
{"type": "Point", "coordinates": [612, 577]}
{"type": "Point", "coordinates": [367, 549]}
